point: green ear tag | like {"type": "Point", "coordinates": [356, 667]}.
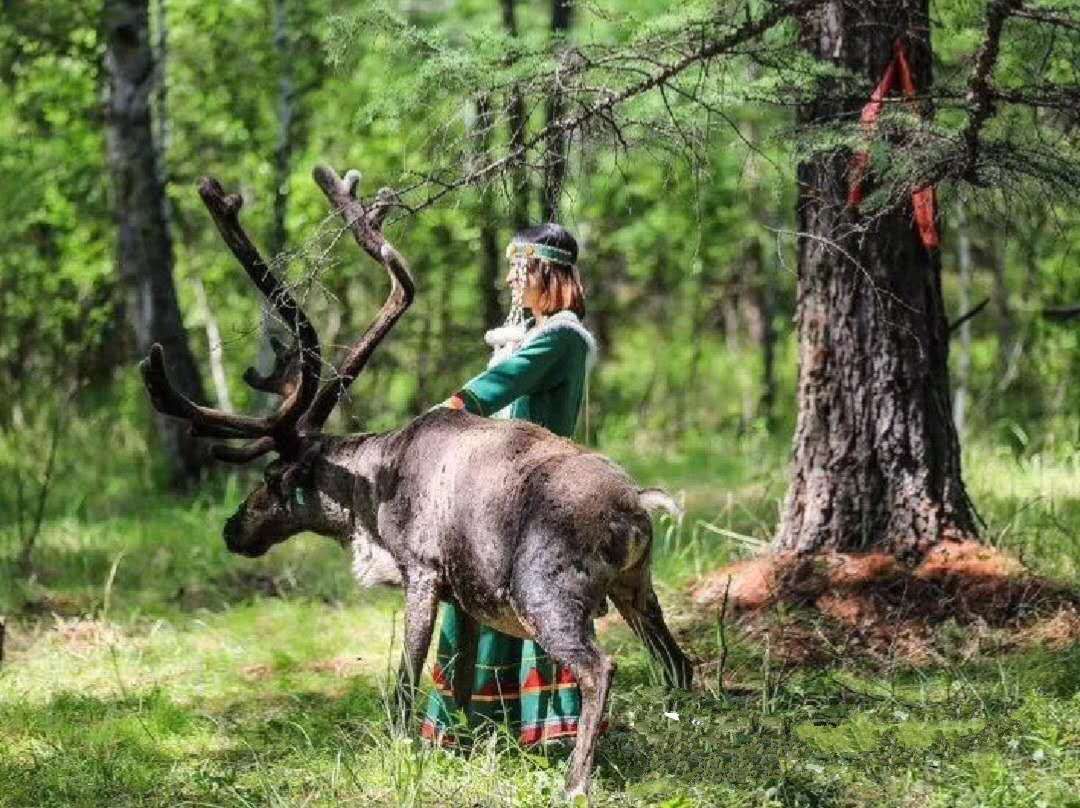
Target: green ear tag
{"type": "Point", "coordinates": [299, 496]}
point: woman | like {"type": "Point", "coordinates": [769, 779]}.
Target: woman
{"type": "Point", "coordinates": [537, 374]}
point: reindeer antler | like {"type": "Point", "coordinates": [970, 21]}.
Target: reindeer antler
{"type": "Point", "coordinates": [281, 380]}
{"type": "Point", "coordinates": [365, 223]}
{"type": "Point", "coordinates": [305, 406]}
{"type": "Point", "coordinates": [277, 431]}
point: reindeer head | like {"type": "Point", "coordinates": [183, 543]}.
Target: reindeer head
{"type": "Point", "coordinates": [288, 501]}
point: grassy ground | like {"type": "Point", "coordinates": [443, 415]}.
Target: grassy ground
{"type": "Point", "coordinates": [146, 666]}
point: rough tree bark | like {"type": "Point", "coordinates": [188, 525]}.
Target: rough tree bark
{"type": "Point", "coordinates": [876, 460]}
{"type": "Point", "coordinates": [144, 244]}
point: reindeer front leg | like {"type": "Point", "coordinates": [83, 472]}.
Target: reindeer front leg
{"type": "Point", "coordinates": [421, 608]}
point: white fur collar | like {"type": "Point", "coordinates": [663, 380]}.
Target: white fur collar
{"type": "Point", "coordinates": [566, 319]}
{"type": "Point", "coordinates": [504, 335]}
{"type": "Point", "coordinates": [509, 338]}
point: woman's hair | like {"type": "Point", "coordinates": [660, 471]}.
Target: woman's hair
{"type": "Point", "coordinates": [559, 285]}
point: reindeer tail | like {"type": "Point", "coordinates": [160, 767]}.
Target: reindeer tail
{"type": "Point", "coordinates": [656, 499]}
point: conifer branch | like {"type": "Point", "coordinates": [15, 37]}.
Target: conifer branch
{"type": "Point", "coordinates": [600, 108]}
{"type": "Point", "coordinates": [980, 95]}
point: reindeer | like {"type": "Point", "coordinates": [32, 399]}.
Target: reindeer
{"type": "Point", "coordinates": [528, 532]}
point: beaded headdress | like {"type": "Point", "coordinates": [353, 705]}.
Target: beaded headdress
{"type": "Point", "coordinates": [531, 249]}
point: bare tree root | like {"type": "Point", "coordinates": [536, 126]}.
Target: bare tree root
{"type": "Point", "coordinates": [962, 599]}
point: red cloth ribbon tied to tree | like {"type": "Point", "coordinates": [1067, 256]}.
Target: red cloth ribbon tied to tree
{"type": "Point", "coordinates": [922, 199]}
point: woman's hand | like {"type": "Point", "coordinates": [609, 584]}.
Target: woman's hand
{"type": "Point", "coordinates": [455, 402]}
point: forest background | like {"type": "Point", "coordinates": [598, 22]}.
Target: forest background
{"type": "Point", "coordinates": [689, 260]}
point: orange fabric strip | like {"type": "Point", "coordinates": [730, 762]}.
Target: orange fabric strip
{"type": "Point", "coordinates": [923, 199]}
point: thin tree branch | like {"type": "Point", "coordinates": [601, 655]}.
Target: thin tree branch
{"type": "Point", "coordinates": [959, 321]}
{"type": "Point", "coordinates": [980, 95]}
{"type": "Point", "coordinates": [1061, 313]}
{"type": "Point", "coordinates": [1056, 17]}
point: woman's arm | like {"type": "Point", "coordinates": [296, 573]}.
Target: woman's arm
{"type": "Point", "coordinates": [524, 372]}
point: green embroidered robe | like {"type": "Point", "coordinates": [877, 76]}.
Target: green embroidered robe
{"type": "Point", "coordinates": [516, 684]}
{"type": "Point", "coordinates": [543, 381]}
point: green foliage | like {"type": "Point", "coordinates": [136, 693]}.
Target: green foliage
{"type": "Point", "coordinates": [57, 295]}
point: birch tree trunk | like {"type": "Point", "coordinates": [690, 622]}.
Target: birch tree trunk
{"type": "Point", "coordinates": [963, 363]}
{"type": "Point", "coordinates": [1006, 326]}
{"type": "Point", "coordinates": [215, 348]}
{"type": "Point", "coordinates": [278, 240]}
{"type": "Point", "coordinates": [876, 461]}
{"type": "Point", "coordinates": [144, 244]}
{"type": "Point", "coordinates": [490, 254]}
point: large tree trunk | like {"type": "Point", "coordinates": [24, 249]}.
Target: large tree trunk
{"type": "Point", "coordinates": [876, 457]}
{"type": "Point", "coordinates": [144, 246]}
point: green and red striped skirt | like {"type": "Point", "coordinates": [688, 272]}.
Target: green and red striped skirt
{"type": "Point", "coordinates": [516, 686]}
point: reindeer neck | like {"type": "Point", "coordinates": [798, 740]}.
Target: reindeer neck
{"type": "Point", "coordinates": [338, 469]}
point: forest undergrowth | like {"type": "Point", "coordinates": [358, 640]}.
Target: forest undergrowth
{"type": "Point", "coordinates": [144, 665]}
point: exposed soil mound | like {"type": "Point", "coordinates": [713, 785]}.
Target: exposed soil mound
{"type": "Point", "coordinates": [873, 605]}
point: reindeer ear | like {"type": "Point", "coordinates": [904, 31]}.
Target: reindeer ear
{"type": "Point", "coordinates": [285, 479]}
{"type": "Point", "coordinates": [274, 477]}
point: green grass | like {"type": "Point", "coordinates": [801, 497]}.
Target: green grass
{"type": "Point", "coordinates": [147, 666]}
